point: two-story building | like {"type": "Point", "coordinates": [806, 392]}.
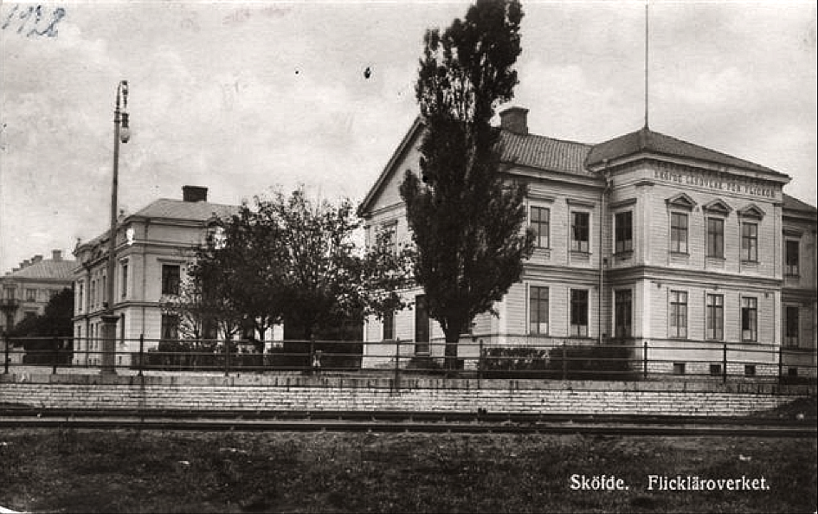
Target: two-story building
{"type": "Point", "coordinates": [153, 248]}
{"type": "Point", "coordinates": [677, 249]}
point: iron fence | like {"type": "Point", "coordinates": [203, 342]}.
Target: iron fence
{"type": "Point", "coordinates": [491, 356]}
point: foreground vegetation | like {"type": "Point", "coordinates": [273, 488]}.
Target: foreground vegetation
{"type": "Point", "coordinates": [72, 470]}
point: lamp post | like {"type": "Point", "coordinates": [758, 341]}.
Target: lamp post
{"type": "Point", "coordinates": [109, 318]}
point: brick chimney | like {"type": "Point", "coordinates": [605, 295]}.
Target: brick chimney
{"type": "Point", "coordinates": [56, 255]}
{"type": "Point", "coordinates": [194, 194]}
{"type": "Point", "coordinates": [37, 258]}
{"type": "Point", "coordinates": [515, 119]}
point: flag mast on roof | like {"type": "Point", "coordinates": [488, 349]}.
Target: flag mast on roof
{"type": "Point", "coordinates": [646, 63]}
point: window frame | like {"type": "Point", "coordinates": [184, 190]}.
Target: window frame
{"type": "Point", "coordinates": [749, 242]}
{"type": "Point", "coordinates": [539, 305]}
{"type": "Point", "coordinates": [792, 324]}
{"type": "Point", "coordinates": [678, 314]}
{"type": "Point", "coordinates": [623, 232]}
{"type": "Point", "coordinates": [714, 244]}
{"type": "Point", "coordinates": [539, 224]}
{"type": "Point", "coordinates": [749, 319]}
{"type": "Point", "coordinates": [620, 295]}
{"type": "Point", "coordinates": [579, 312]}
{"type": "Point", "coordinates": [579, 245]}
{"type": "Point", "coordinates": [676, 232]}
{"type": "Point", "coordinates": [714, 317]}
{"type": "Point", "coordinates": [171, 284]}
{"type": "Point", "coordinates": [792, 261]}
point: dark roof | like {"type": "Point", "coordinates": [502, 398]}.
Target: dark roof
{"type": "Point", "coordinates": [646, 140]}
{"type": "Point", "coordinates": [544, 153]}
{"type": "Point", "coordinates": [794, 204]}
{"type": "Point", "coordinates": [179, 209]}
{"type": "Point", "coordinates": [48, 269]}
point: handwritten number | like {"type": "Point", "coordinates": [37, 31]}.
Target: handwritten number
{"type": "Point", "coordinates": [32, 16]}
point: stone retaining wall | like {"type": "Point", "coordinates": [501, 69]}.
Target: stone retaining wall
{"type": "Point", "coordinates": [264, 393]}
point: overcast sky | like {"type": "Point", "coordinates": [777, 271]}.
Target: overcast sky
{"type": "Point", "coordinates": [244, 96]}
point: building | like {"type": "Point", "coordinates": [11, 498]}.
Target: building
{"type": "Point", "coordinates": [153, 248]}
{"type": "Point", "coordinates": [27, 289]}
{"type": "Point", "coordinates": [683, 252]}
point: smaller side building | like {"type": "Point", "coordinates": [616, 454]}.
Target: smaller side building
{"type": "Point", "coordinates": [153, 249]}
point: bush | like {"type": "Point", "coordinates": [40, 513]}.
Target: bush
{"type": "Point", "coordinates": [595, 362]}
{"type": "Point", "coordinates": [517, 362]}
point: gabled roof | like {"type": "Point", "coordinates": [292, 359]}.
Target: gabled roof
{"type": "Point", "coordinates": [648, 141]}
{"type": "Point", "coordinates": [181, 210]}
{"type": "Point", "coordinates": [794, 204]}
{"type": "Point", "coordinates": [48, 269]}
{"type": "Point", "coordinates": [544, 153]}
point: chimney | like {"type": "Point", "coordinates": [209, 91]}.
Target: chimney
{"type": "Point", "coordinates": [56, 255]}
{"type": "Point", "coordinates": [37, 258]}
{"type": "Point", "coordinates": [25, 264]}
{"type": "Point", "coordinates": [515, 119]}
{"type": "Point", "coordinates": [194, 194]}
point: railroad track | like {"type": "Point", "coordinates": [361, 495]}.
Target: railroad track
{"type": "Point", "coordinates": [343, 421]}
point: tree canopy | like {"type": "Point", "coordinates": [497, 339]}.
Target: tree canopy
{"type": "Point", "coordinates": [466, 217]}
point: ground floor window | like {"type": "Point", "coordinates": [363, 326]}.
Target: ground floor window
{"type": "Point", "coordinates": [579, 312]}
{"type": "Point", "coordinates": [170, 326]}
{"type": "Point", "coordinates": [678, 314]}
{"type": "Point", "coordinates": [749, 319]}
{"type": "Point", "coordinates": [715, 317]}
{"type": "Point", "coordinates": [791, 328]}
{"type": "Point", "coordinates": [623, 307]}
{"type": "Point", "coordinates": [538, 310]}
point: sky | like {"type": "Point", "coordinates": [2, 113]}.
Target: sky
{"type": "Point", "coordinates": [246, 97]}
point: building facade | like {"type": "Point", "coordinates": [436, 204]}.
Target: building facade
{"type": "Point", "coordinates": [672, 248]}
{"type": "Point", "coordinates": [153, 248]}
{"type": "Point", "coordinates": [27, 289]}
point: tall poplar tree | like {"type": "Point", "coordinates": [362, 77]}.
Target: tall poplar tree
{"type": "Point", "coordinates": [466, 218]}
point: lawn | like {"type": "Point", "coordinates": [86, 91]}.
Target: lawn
{"type": "Point", "coordinates": [75, 470]}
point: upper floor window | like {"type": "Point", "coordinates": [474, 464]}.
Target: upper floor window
{"type": "Point", "coordinates": [580, 231]}
{"type": "Point", "coordinates": [10, 293]}
{"type": "Point", "coordinates": [749, 319]}
{"type": "Point", "coordinates": [678, 314]}
{"type": "Point", "coordinates": [715, 237]}
{"type": "Point", "coordinates": [791, 327]}
{"type": "Point", "coordinates": [791, 257]}
{"type": "Point", "coordinates": [749, 242]}
{"type": "Point", "coordinates": [579, 312]}
{"type": "Point", "coordinates": [124, 279]}
{"type": "Point", "coordinates": [623, 240]}
{"type": "Point", "coordinates": [170, 279]}
{"type": "Point", "coordinates": [538, 310]}
{"type": "Point", "coordinates": [31, 295]}
{"type": "Point", "coordinates": [714, 322]}
{"type": "Point", "coordinates": [678, 232]}
{"type": "Point", "coordinates": [387, 235]}
{"type": "Point", "coordinates": [541, 224]}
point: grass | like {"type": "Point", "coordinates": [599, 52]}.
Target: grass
{"type": "Point", "coordinates": [77, 470]}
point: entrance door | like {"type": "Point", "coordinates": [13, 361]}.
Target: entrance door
{"type": "Point", "coordinates": [421, 325]}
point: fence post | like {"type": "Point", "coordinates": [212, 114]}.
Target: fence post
{"type": "Point", "coordinates": [724, 364]}
{"type": "Point", "coordinates": [227, 357]}
{"type": "Point", "coordinates": [6, 361]}
{"type": "Point", "coordinates": [397, 364]}
{"type": "Point", "coordinates": [141, 353]}
{"type": "Point", "coordinates": [56, 355]}
{"type": "Point", "coordinates": [645, 360]}
{"type": "Point", "coordinates": [480, 363]}
{"type": "Point", "coordinates": [564, 362]}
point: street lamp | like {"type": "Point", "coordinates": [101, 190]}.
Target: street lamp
{"type": "Point", "coordinates": [122, 133]}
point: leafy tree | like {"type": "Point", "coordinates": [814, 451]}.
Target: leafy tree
{"type": "Point", "coordinates": [41, 330]}
{"type": "Point", "coordinates": [466, 219]}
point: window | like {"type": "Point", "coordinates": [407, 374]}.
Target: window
{"type": "Point", "coordinates": [389, 325]}
{"type": "Point", "coordinates": [10, 292]}
{"type": "Point", "coordinates": [715, 369]}
{"type": "Point", "coordinates": [580, 228]}
{"type": "Point", "coordinates": [715, 237]}
{"type": "Point", "coordinates": [538, 310]}
{"type": "Point", "coordinates": [749, 242]}
{"type": "Point", "coordinates": [678, 232]}
{"type": "Point", "coordinates": [93, 292]}
{"type": "Point", "coordinates": [623, 299]}
{"type": "Point", "coordinates": [791, 258]}
{"type": "Point", "coordinates": [749, 319]}
{"type": "Point", "coordinates": [170, 279]}
{"type": "Point", "coordinates": [579, 312]}
{"type": "Point", "coordinates": [623, 238]}
{"type": "Point", "coordinates": [388, 236]}
{"type": "Point", "coordinates": [170, 326]}
{"type": "Point", "coordinates": [541, 224]}
{"type": "Point", "coordinates": [750, 370]}
{"type": "Point", "coordinates": [678, 368]}
{"type": "Point", "coordinates": [791, 327]}
{"type": "Point", "coordinates": [31, 295]}
{"type": "Point", "coordinates": [678, 314]}
{"type": "Point", "coordinates": [715, 317]}
{"type": "Point", "coordinates": [124, 279]}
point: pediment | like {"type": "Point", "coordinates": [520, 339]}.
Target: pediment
{"type": "Point", "coordinates": [717, 206]}
{"type": "Point", "coordinates": [681, 201]}
{"type": "Point", "coordinates": [751, 211]}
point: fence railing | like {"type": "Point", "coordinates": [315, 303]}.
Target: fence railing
{"type": "Point", "coordinates": [486, 357]}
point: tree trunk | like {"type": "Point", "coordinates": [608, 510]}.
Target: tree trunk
{"type": "Point", "coordinates": [450, 350]}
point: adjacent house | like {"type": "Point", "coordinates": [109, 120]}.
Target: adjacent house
{"type": "Point", "coordinates": [686, 253]}
{"type": "Point", "coordinates": [154, 246]}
